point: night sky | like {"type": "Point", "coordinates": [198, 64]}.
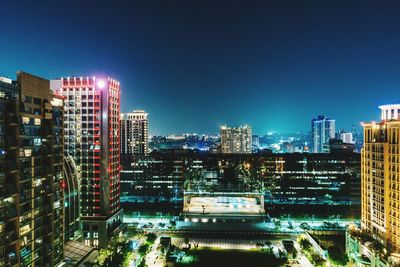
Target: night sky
{"type": "Point", "coordinates": [195, 65]}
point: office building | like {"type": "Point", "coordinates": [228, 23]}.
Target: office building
{"type": "Point", "coordinates": [135, 133]}
{"type": "Point", "coordinates": [236, 140]}
{"type": "Point", "coordinates": [91, 129]}
{"type": "Point", "coordinates": [338, 146]}
{"type": "Point", "coordinates": [31, 199]}
{"type": "Point", "coordinates": [289, 179]}
{"type": "Point", "coordinates": [377, 243]}
{"type": "Point", "coordinates": [322, 129]}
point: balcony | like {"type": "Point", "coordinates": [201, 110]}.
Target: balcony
{"type": "Point", "coordinates": [11, 259]}
{"type": "Point", "coordinates": [38, 202]}
{"type": "Point", "coordinates": [11, 142]}
{"type": "Point", "coordinates": [2, 239]}
{"type": "Point", "coordinates": [12, 119]}
{"type": "Point", "coordinates": [11, 189]}
{"type": "Point", "coordinates": [12, 166]}
{"type": "Point", "coordinates": [11, 236]}
{"type": "Point", "coordinates": [10, 211]}
{"type": "Point", "coordinates": [24, 196]}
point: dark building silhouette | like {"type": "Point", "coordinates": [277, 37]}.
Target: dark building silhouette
{"type": "Point", "coordinates": [309, 179]}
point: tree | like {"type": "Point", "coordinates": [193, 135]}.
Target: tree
{"type": "Point", "coordinates": [143, 249]}
{"type": "Point", "coordinates": [142, 263]}
{"type": "Point", "coordinates": [187, 242]}
{"type": "Point", "coordinates": [268, 244]}
{"type": "Point", "coordinates": [304, 243]}
{"type": "Point", "coordinates": [151, 237]}
{"type": "Point", "coordinates": [277, 224]}
{"type": "Point", "coordinates": [315, 258]}
{"type": "Point", "coordinates": [337, 256]}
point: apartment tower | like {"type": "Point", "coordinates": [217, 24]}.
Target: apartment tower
{"type": "Point", "coordinates": [236, 140]}
{"type": "Point", "coordinates": [31, 199]}
{"type": "Point", "coordinates": [135, 133]}
{"type": "Point", "coordinates": [381, 178]}
{"type": "Point", "coordinates": [92, 138]}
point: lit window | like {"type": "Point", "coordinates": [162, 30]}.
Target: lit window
{"type": "Point", "coordinates": [25, 120]}
{"type": "Point", "coordinates": [28, 152]}
{"type": "Point", "coordinates": [37, 141]}
{"type": "Point", "coordinates": [37, 122]}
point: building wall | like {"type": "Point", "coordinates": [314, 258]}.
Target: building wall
{"type": "Point", "coordinates": [9, 173]}
{"type": "Point", "coordinates": [236, 140]}
{"type": "Point", "coordinates": [72, 211]}
{"type": "Point", "coordinates": [135, 133]}
{"type": "Point", "coordinates": [33, 201]}
{"type": "Point", "coordinates": [92, 138]}
{"type": "Point", "coordinates": [380, 182]}
{"type": "Point", "coordinates": [322, 129]}
{"type": "Point", "coordinates": [288, 178]}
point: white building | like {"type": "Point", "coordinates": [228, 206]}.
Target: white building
{"type": "Point", "coordinates": [323, 129]}
{"type": "Point", "coordinates": [134, 133]}
{"type": "Point", "coordinates": [346, 137]}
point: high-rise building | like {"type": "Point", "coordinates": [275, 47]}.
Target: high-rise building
{"type": "Point", "coordinates": [256, 141]}
{"type": "Point", "coordinates": [322, 129]}
{"type": "Point", "coordinates": [91, 129]}
{"type": "Point", "coordinates": [135, 133]}
{"type": "Point", "coordinates": [72, 212]}
{"type": "Point", "coordinates": [378, 240]}
{"type": "Point", "coordinates": [236, 140]}
{"type": "Point", "coordinates": [346, 137]}
{"type": "Point", "coordinates": [31, 199]}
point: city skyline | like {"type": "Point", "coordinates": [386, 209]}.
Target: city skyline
{"type": "Point", "coordinates": [198, 62]}
{"type": "Point", "coordinates": [199, 133]}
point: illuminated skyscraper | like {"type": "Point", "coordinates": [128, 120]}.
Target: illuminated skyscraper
{"type": "Point", "coordinates": [380, 193]}
{"type": "Point", "coordinates": [134, 133]}
{"type": "Point", "coordinates": [236, 140]}
{"type": "Point", "coordinates": [31, 202]}
{"type": "Point", "coordinates": [91, 128]}
{"type": "Point", "coordinates": [380, 178]}
{"type": "Point", "coordinates": [322, 129]}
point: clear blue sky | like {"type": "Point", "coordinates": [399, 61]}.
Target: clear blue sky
{"type": "Point", "coordinates": [194, 65]}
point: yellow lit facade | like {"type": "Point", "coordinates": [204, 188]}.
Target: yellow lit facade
{"type": "Point", "coordinates": [380, 172]}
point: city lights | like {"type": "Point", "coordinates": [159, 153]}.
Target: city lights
{"type": "Point", "coordinates": [200, 134]}
{"type": "Point", "coordinates": [101, 84]}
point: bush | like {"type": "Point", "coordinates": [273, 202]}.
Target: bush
{"type": "Point", "coordinates": [142, 263]}
{"type": "Point", "coordinates": [304, 243]}
{"type": "Point", "coordinates": [337, 256]}
{"type": "Point", "coordinates": [315, 258]}
{"type": "Point", "coordinates": [151, 238]}
{"type": "Point", "coordinates": [143, 249]}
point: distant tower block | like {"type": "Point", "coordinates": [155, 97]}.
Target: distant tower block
{"type": "Point", "coordinates": [135, 133]}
